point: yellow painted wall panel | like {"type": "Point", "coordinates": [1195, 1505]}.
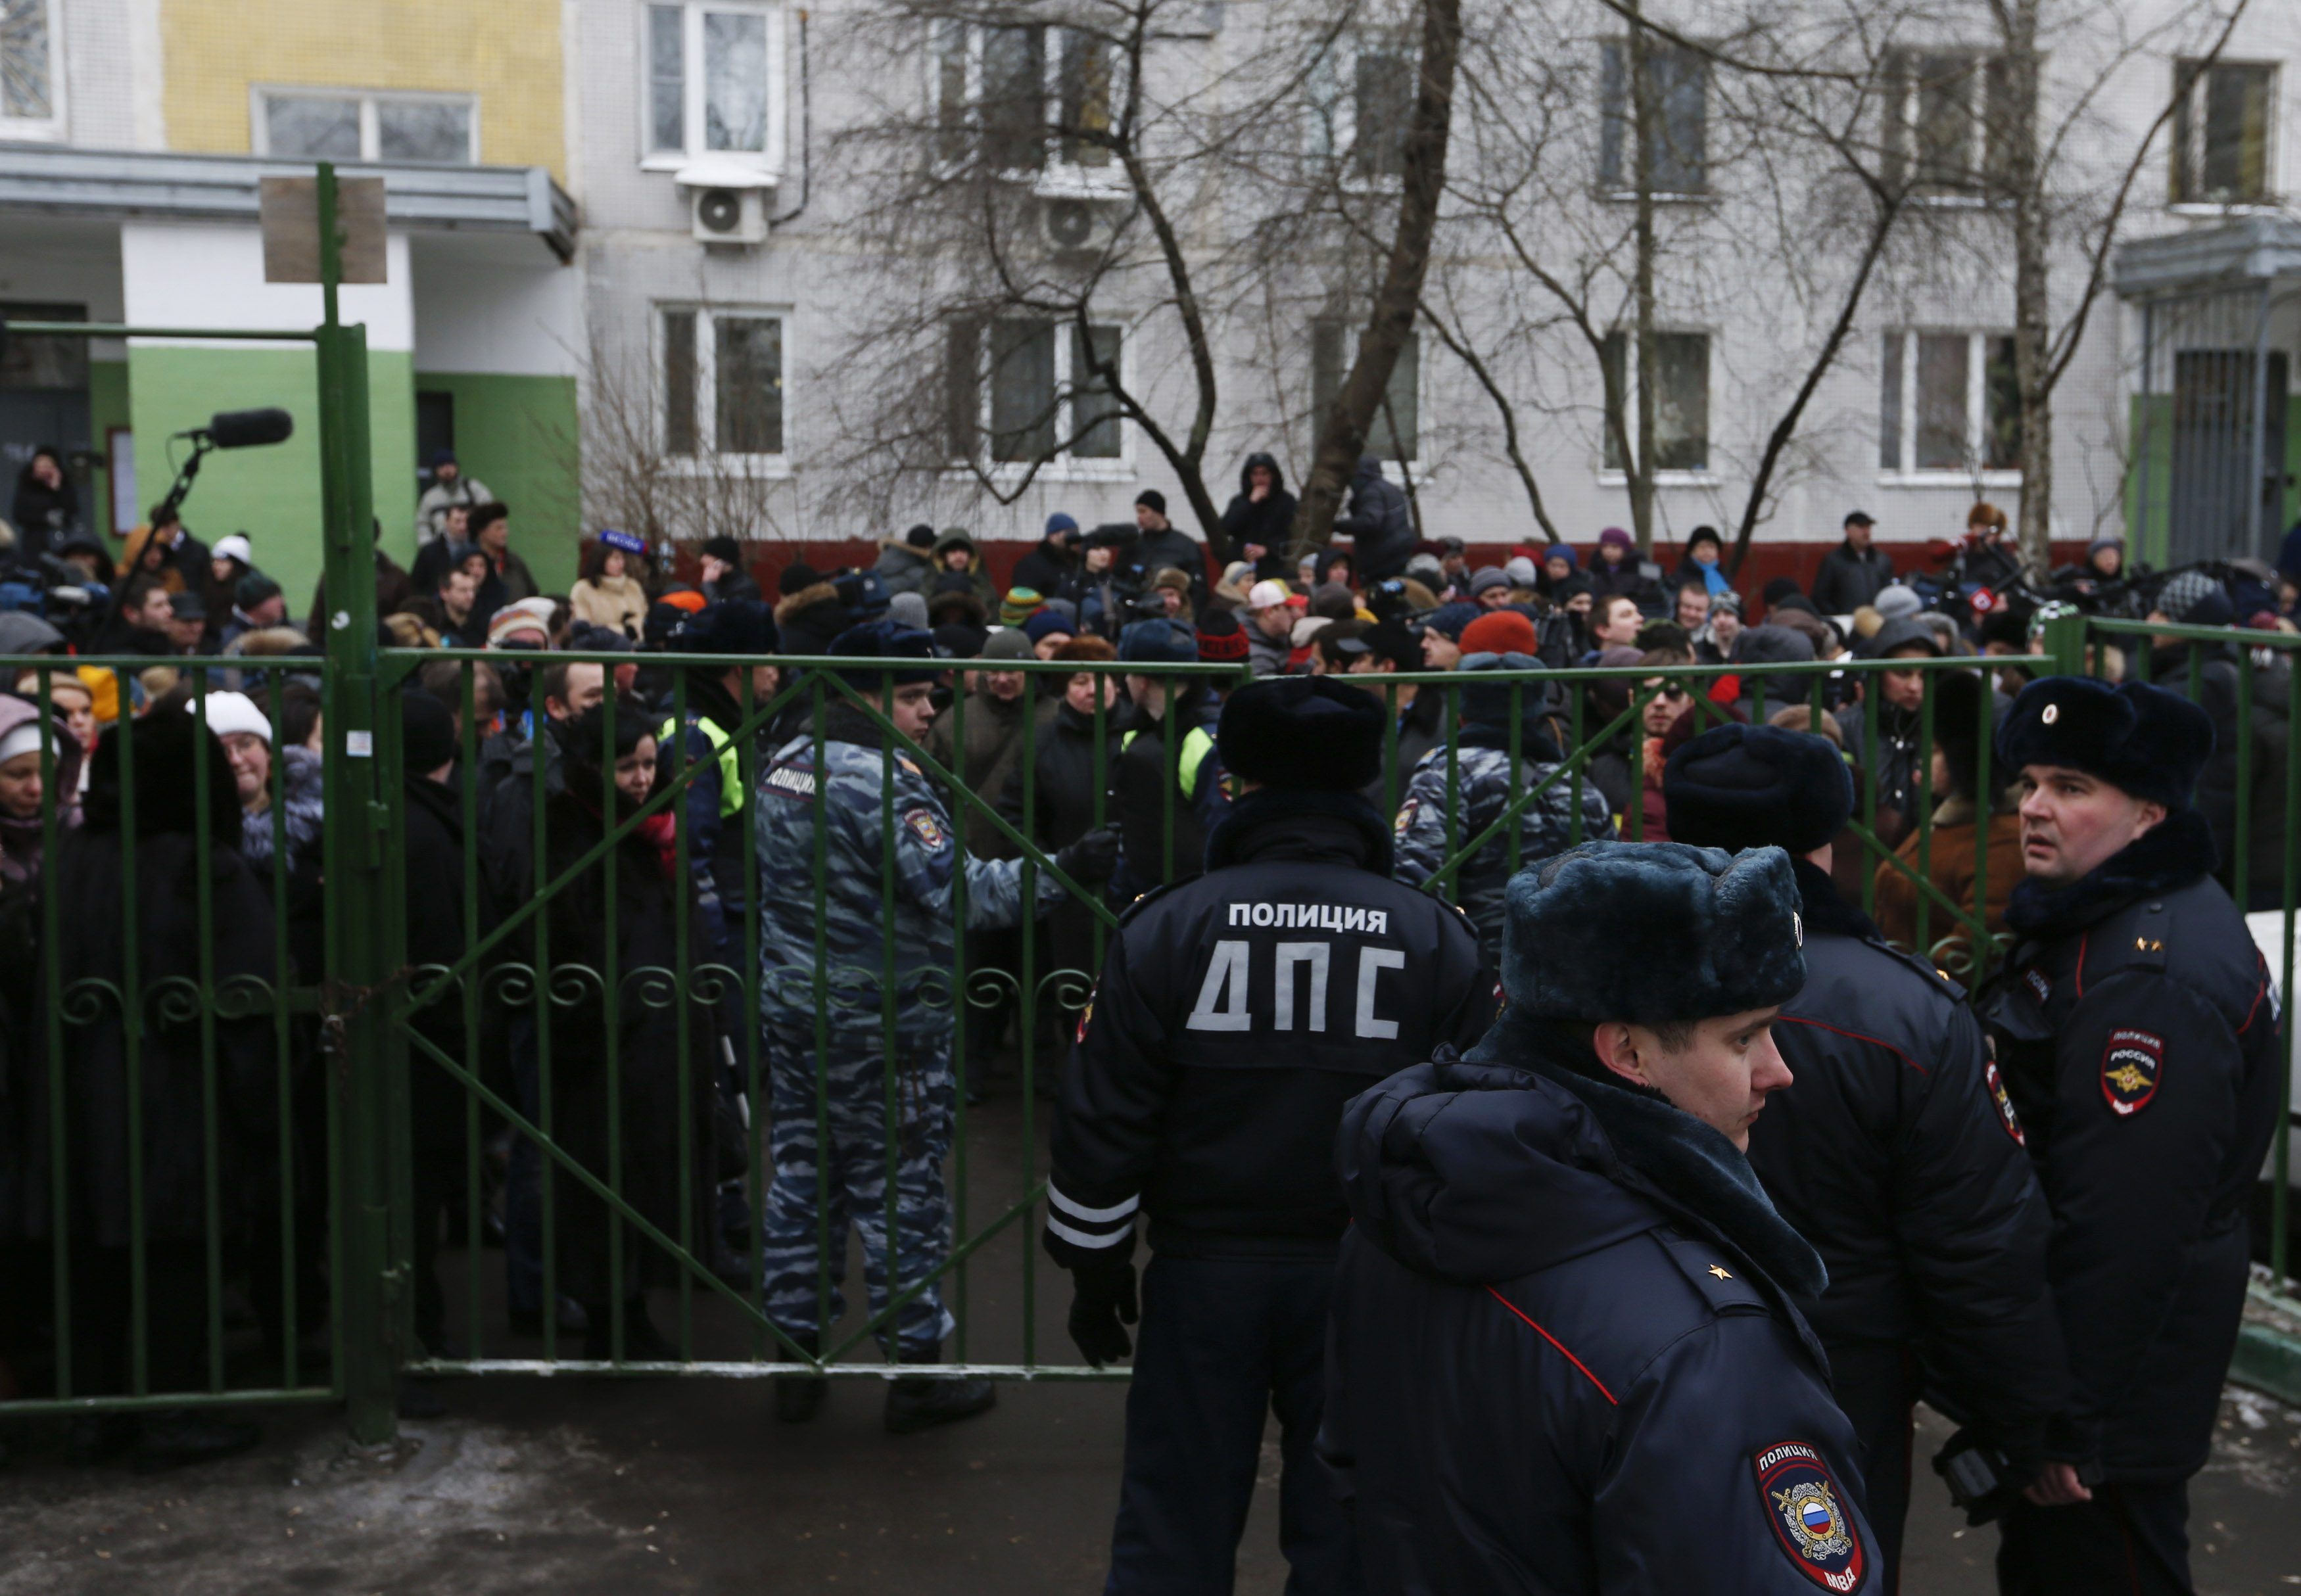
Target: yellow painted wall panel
{"type": "Point", "coordinates": [506, 52]}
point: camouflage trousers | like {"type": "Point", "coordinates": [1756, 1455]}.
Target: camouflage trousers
{"type": "Point", "coordinates": [822, 1187]}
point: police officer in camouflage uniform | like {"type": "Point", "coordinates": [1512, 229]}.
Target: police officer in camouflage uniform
{"type": "Point", "coordinates": [2136, 1033]}
{"type": "Point", "coordinates": [845, 798]}
{"type": "Point", "coordinates": [1484, 786]}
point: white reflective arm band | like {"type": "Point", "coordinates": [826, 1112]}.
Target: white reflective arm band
{"type": "Point", "coordinates": [1079, 1238]}
{"type": "Point", "coordinates": [1091, 1215]}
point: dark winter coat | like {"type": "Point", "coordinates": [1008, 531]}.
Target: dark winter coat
{"type": "Point", "coordinates": [1067, 781]}
{"type": "Point", "coordinates": [161, 903]}
{"type": "Point", "coordinates": [1895, 770]}
{"type": "Point", "coordinates": [902, 567]}
{"type": "Point", "coordinates": [43, 516]}
{"type": "Point", "coordinates": [2216, 694]}
{"type": "Point", "coordinates": [1202, 1090]}
{"type": "Point", "coordinates": [1171, 545]}
{"type": "Point", "coordinates": [1046, 570]}
{"type": "Point", "coordinates": [1562, 1357]}
{"type": "Point", "coordinates": [994, 747]}
{"type": "Point", "coordinates": [1636, 579]}
{"type": "Point", "coordinates": [1270, 522]}
{"type": "Point", "coordinates": [634, 936]}
{"type": "Point", "coordinates": [432, 821]}
{"type": "Point", "coordinates": [1379, 523]}
{"type": "Point", "coordinates": [1896, 1153]}
{"type": "Point", "coordinates": [1142, 794]}
{"type": "Point", "coordinates": [2138, 1040]}
{"type": "Point", "coordinates": [1850, 578]}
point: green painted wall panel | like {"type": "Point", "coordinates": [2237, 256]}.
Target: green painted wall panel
{"type": "Point", "coordinates": [519, 435]}
{"type": "Point", "coordinates": [107, 407]}
{"type": "Point", "coordinates": [272, 494]}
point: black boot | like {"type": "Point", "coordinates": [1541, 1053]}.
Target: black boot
{"type": "Point", "coordinates": [799, 1398]}
{"type": "Point", "coordinates": [914, 1403]}
{"type": "Point", "coordinates": [186, 1436]}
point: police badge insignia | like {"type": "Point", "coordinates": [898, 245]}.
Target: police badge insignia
{"type": "Point", "coordinates": [1999, 1095]}
{"type": "Point", "coordinates": [1809, 1515]}
{"type": "Point", "coordinates": [1405, 817]}
{"type": "Point", "coordinates": [926, 827]}
{"type": "Point", "coordinates": [2132, 1066]}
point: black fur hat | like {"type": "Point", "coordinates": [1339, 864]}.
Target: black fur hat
{"type": "Point", "coordinates": [1652, 934]}
{"type": "Point", "coordinates": [1302, 731]}
{"type": "Point", "coordinates": [1735, 787]}
{"type": "Point", "coordinates": [2141, 738]}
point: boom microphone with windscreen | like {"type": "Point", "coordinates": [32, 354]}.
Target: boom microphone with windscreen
{"type": "Point", "coordinates": [246, 428]}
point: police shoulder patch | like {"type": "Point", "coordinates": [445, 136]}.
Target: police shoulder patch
{"type": "Point", "coordinates": [1804, 1504]}
{"type": "Point", "coordinates": [1405, 816]}
{"type": "Point", "coordinates": [926, 825]}
{"type": "Point", "coordinates": [2003, 1100]}
{"type": "Point", "coordinates": [2132, 1064]}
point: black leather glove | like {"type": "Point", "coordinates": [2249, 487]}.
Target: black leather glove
{"type": "Point", "coordinates": [1103, 1299]}
{"type": "Point", "coordinates": [1090, 860]}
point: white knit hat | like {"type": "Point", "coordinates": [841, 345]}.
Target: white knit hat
{"type": "Point", "coordinates": [235, 711]}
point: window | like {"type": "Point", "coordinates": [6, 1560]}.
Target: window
{"type": "Point", "coordinates": [712, 76]}
{"type": "Point", "coordinates": [1397, 420]}
{"type": "Point", "coordinates": [1681, 400]}
{"type": "Point", "coordinates": [2222, 133]}
{"type": "Point", "coordinates": [327, 125]}
{"type": "Point", "coordinates": [1947, 115]}
{"type": "Point", "coordinates": [1363, 99]}
{"type": "Point", "coordinates": [1949, 402]}
{"type": "Point", "coordinates": [1678, 80]}
{"type": "Point", "coordinates": [1020, 390]}
{"type": "Point", "coordinates": [31, 89]}
{"type": "Point", "coordinates": [1025, 99]}
{"type": "Point", "coordinates": [722, 381]}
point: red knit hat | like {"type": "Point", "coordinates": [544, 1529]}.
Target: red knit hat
{"type": "Point", "coordinates": [1499, 631]}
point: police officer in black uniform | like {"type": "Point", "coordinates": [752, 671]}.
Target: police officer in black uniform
{"type": "Point", "coordinates": [1897, 1153]}
{"type": "Point", "coordinates": [1564, 1358]}
{"type": "Point", "coordinates": [1236, 1014]}
{"type": "Point", "coordinates": [2136, 1031]}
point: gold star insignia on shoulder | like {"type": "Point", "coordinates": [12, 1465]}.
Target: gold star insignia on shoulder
{"type": "Point", "coordinates": [1721, 1272]}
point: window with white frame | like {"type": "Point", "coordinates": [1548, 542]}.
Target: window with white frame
{"type": "Point", "coordinates": [1678, 80]}
{"type": "Point", "coordinates": [1946, 116]}
{"type": "Point", "coordinates": [1949, 402]}
{"type": "Point", "coordinates": [327, 124]}
{"type": "Point", "coordinates": [1026, 99]}
{"type": "Point", "coordinates": [1361, 103]}
{"type": "Point", "coordinates": [1396, 428]}
{"type": "Point", "coordinates": [713, 77]}
{"type": "Point", "coordinates": [2224, 116]}
{"type": "Point", "coordinates": [722, 381]}
{"type": "Point", "coordinates": [1020, 390]}
{"type": "Point", "coordinates": [1681, 400]}
{"type": "Point", "coordinates": [31, 75]}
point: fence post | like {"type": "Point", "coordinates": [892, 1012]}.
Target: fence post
{"type": "Point", "coordinates": [366, 1294]}
{"type": "Point", "coordinates": [2062, 634]}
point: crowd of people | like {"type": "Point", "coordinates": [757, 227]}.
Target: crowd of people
{"type": "Point", "coordinates": [1112, 772]}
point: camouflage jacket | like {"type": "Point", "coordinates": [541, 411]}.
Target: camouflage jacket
{"type": "Point", "coordinates": [928, 860]}
{"type": "Point", "coordinates": [1544, 826]}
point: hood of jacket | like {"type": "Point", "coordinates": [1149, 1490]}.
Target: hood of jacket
{"type": "Point", "coordinates": [900, 551]}
{"type": "Point", "coordinates": [954, 539]}
{"type": "Point", "coordinates": [1368, 469]}
{"type": "Point", "coordinates": [166, 767]}
{"type": "Point", "coordinates": [1512, 1160]}
{"type": "Point", "coordinates": [1269, 462]}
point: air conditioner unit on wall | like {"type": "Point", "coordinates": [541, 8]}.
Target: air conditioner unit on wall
{"type": "Point", "coordinates": [727, 200]}
{"type": "Point", "coordinates": [1072, 226]}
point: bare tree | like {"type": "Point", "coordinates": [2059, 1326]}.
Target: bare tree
{"type": "Point", "coordinates": [2062, 177]}
{"type": "Point", "coordinates": [1342, 431]}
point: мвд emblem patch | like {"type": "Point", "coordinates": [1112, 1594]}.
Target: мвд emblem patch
{"type": "Point", "coordinates": [926, 826]}
{"type": "Point", "coordinates": [2132, 1066]}
{"type": "Point", "coordinates": [1808, 1512]}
